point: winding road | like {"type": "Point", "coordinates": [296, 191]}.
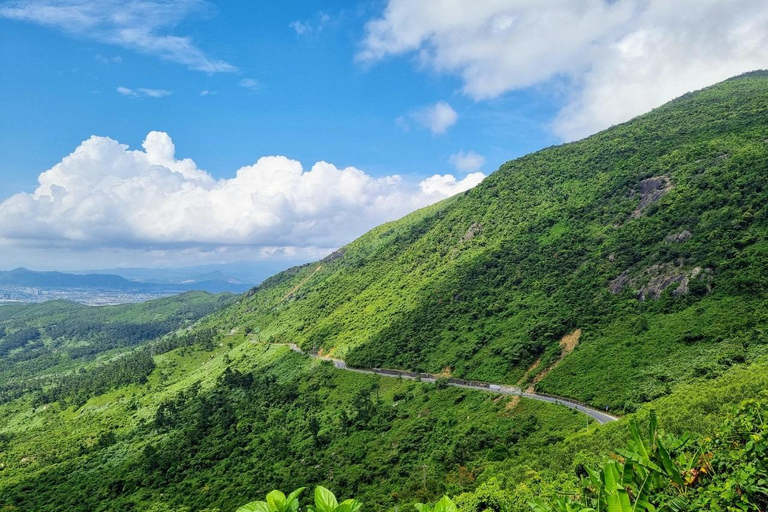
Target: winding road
{"type": "Point", "coordinates": [500, 389]}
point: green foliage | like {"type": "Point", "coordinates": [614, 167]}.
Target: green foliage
{"type": "Point", "coordinates": [180, 410]}
{"type": "Point", "coordinates": [727, 473]}
{"type": "Point", "coordinates": [486, 283]}
{"type": "Point", "coordinates": [325, 501]}
{"type": "Point", "coordinates": [445, 504]}
{"type": "Point", "coordinates": [276, 501]}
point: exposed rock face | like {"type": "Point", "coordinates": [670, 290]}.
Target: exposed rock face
{"type": "Point", "coordinates": [617, 285]}
{"type": "Point", "coordinates": [678, 238]}
{"type": "Point", "coordinates": [651, 190]}
{"type": "Point", "coordinates": [473, 231]}
{"type": "Point", "coordinates": [335, 255]}
{"type": "Point", "coordinates": [657, 278]}
{"type": "Point", "coordinates": [661, 278]}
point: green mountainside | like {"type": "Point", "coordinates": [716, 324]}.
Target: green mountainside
{"type": "Point", "coordinates": [627, 270]}
{"type": "Point", "coordinates": [671, 207]}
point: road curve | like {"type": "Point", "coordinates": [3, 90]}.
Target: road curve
{"type": "Point", "coordinates": [501, 389]}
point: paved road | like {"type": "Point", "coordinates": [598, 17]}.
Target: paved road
{"type": "Point", "coordinates": [599, 416]}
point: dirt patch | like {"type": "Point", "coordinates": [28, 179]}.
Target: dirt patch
{"type": "Point", "coordinates": [651, 190]}
{"type": "Point", "coordinates": [446, 373]}
{"type": "Point", "coordinates": [567, 344]}
{"type": "Point", "coordinates": [513, 403]}
{"type": "Point", "coordinates": [302, 283]}
{"type": "Point", "coordinates": [528, 372]}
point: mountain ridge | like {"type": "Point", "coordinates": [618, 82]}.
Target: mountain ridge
{"type": "Point", "coordinates": [23, 277]}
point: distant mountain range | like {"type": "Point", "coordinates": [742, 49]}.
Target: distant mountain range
{"type": "Point", "coordinates": [251, 272]}
{"type": "Point", "coordinates": [212, 282]}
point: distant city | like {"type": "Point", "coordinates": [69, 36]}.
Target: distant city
{"type": "Point", "coordinates": [90, 297]}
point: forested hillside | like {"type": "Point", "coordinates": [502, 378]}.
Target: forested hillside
{"type": "Point", "coordinates": [628, 270]}
{"type": "Point", "coordinates": [650, 237]}
{"type": "Point", "coordinates": [67, 343]}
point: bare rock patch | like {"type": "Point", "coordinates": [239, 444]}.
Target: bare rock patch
{"type": "Point", "coordinates": [651, 190]}
{"type": "Point", "coordinates": [678, 238]}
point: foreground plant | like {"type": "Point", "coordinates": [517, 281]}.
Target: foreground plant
{"type": "Point", "coordinates": [444, 505]}
{"type": "Point", "coordinates": [276, 501]}
{"type": "Point", "coordinates": [726, 474]}
{"type": "Point", "coordinates": [325, 501]}
{"type": "Point", "coordinates": [649, 478]}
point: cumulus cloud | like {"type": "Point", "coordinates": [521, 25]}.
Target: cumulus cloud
{"type": "Point", "coordinates": [143, 92]}
{"type": "Point", "coordinates": [138, 25]}
{"type": "Point", "coordinates": [467, 162]}
{"type": "Point", "coordinates": [447, 185]}
{"type": "Point", "coordinates": [436, 118]}
{"type": "Point", "coordinates": [621, 58]}
{"type": "Point", "coordinates": [107, 195]}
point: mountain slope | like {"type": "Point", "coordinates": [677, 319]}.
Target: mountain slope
{"type": "Point", "coordinates": [658, 219]}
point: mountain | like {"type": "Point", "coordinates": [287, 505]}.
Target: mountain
{"type": "Point", "coordinates": [648, 238]}
{"type": "Point", "coordinates": [25, 277]}
{"type": "Point", "coordinates": [22, 277]}
{"type": "Point", "coordinates": [626, 271]}
{"type": "Point", "coordinates": [251, 272]}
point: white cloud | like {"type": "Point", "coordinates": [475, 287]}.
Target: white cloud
{"type": "Point", "coordinates": [621, 57]}
{"type": "Point", "coordinates": [106, 195]}
{"type": "Point", "coordinates": [447, 185]}
{"type": "Point", "coordinates": [143, 92]}
{"type": "Point", "coordinates": [301, 27]}
{"type": "Point", "coordinates": [467, 162]}
{"type": "Point", "coordinates": [308, 28]}
{"type": "Point", "coordinates": [206, 92]}
{"type": "Point", "coordinates": [436, 118]}
{"type": "Point", "coordinates": [138, 25]}
{"type": "Point", "coordinates": [251, 84]}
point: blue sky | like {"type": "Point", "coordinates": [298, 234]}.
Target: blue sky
{"type": "Point", "coordinates": [314, 101]}
{"type": "Point", "coordinates": [407, 102]}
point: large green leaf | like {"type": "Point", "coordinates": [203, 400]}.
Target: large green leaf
{"type": "Point", "coordinates": [669, 466]}
{"type": "Point", "coordinates": [276, 501]}
{"type": "Point", "coordinates": [445, 505]}
{"type": "Point", "coordinates": [325, 501]}
{"type": "Point", "coordinates": [254, 506]}
{"type": "Point", "coordinates": [351, 505]}
{"type": "Point", "coordinates": [292, 499]}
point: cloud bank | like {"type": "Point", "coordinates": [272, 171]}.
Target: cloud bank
{"type": "Point", "coordinates": [106, 195]}
{"type": "Point", "coordinates": [139, 25]}
{"type": "Point", "coordinates": [619, 58]}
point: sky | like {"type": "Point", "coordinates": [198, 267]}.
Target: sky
{"type": "Point", "coordinates": [186, 132]}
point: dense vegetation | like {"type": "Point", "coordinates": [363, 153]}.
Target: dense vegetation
{"type": "Point", "coordinates": [645, 244]}
{"type": "Point", "coordinates": [671, 207]}
{"type": "Point", "coordinates": [42, 345]}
